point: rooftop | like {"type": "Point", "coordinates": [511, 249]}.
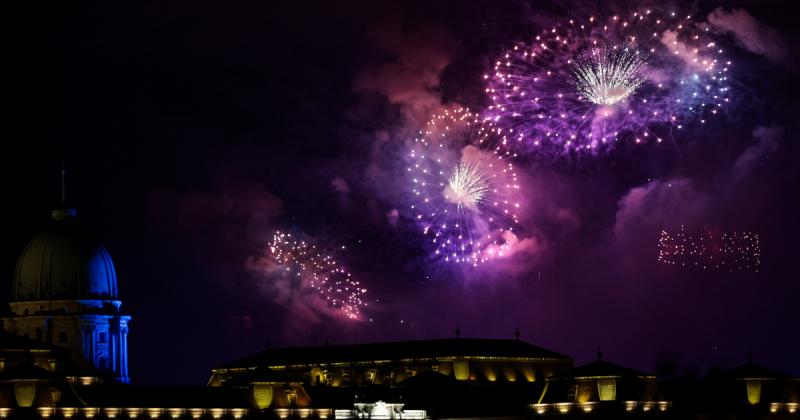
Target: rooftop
{"type": "Point", "coordinates": [604, 369]}
{"type": "Point", "coordinates": [422, 349]}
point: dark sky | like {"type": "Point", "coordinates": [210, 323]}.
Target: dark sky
{"type": "Point", "coordinates": [192, 130]}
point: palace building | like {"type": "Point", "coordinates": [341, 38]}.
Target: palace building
{"type": "Point", "coordinates": [601, 386]}
{"type": "Point", "coordinates": [465, 359]}
{"type": "Point", "coordinates": [64, 354]}
{"type": "Point", "coordinates": [64, 293]}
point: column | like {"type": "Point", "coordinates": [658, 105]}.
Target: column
{"type": "Point", "coordinates": [124, 352]}
{"type": "Point", "coordinates": [91, 355]}
{"type": "Point", "coordinates": [113, 352]}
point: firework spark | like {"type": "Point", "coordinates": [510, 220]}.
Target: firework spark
{"type": "Point", "coordinates": [585, 85]}
{"type": "Point", "coordinates": [710, 249]}
{"type": "Point", "coordinates": [464, 195]}
{"type": "Point", "coordinates": [318, 270]}
{"type": "Point", "coordinates": [467, 185]}
{"type": "Point", "coordinates": [608, 75]}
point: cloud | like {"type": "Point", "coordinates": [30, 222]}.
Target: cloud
{"type": "Point", "coordinates": [409, 76]}
{"type": "Point", "coordinates": [340, 185]}
{"type": "Point", "coordinates": [520, 253]}
{"type": "Point", "coordinates": [393, 216]}
{"type": "Point", "coordinates": [658, 204]}
{"type": "Point", "coordinates": [766, 142]}
{"type": "Point", "coordinates": [688, 55]}
{"type": "Point", "coordinates": [399, 90]}
{"type": "Point", "coordinates": [750, 34]}
{"type": "Point", "coordinates": [223, 224]}
{"type": "Point", "coordinates": [304, 307]}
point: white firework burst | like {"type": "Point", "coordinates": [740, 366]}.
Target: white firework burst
{"type": "Point", "coordinates": [607, 75]}
{"type": "Point", "coordinates": [467, 186]}
{"type": "Point", "coordinates": [464, 195]}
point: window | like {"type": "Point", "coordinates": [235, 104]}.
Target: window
{"type": "Point", "coordinates": [102, 338]}
{"type": "Point", "coordinates": [101, 362]}
{"type": "Point", "coordinates": [62, 337]}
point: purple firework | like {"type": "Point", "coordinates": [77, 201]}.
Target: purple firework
{"type": "Point", "coordinates": [464, 197]}
{"type": "Point", "coordinates": [586, 85]}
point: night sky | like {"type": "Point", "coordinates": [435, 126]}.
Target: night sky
{"type": "Point", "coordinates": [192, 130]}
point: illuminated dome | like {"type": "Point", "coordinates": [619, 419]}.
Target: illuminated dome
{"type": "Point", "coordinates": [64, 262]}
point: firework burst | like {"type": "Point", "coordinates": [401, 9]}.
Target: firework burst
{"type": "Point", "coordinates": [318, 270]}
{"type": "Point", "coordinates": [464, 196]}
{"type": "Point", "coordinates": [710, 249]}
{"type": "Point", "coordinates": [467, 186]}
{"type": "Point", "coordinates": [584, 85]}
{"type": "Point", "coordinates": [606, 76]}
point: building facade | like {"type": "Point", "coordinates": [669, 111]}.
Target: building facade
{"type": "Point", "coordinates": [64, 293]}
{"type": "Point", "coordinates": [463, 359]}
{"type": "Point", "coordinates": [63, 355]}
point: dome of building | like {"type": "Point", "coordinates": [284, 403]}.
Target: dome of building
{"type": "Point", "coordinates": [64, 262]}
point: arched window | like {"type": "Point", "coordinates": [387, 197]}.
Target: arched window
{"type": "Point", "coordinates": [101, 362]}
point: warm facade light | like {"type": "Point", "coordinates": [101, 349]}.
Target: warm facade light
{"type": "Point", "coordinates": [68, 412]}
{"type": "Point", "coordinates": [630, 405]}
{"type": "Point", "coordinates": [24, 392]}
{"type": "Point", "coordinates": [461, 369]}
{"type": "Point", "coordinates": [753, 392]}
{"type": "Point", "coordinates": [45, 412]}
{"type": "Point", "coordinates": [112, 413]}
{"type": "Point", "coordinates": [134, 412]}
{"type": "Point", "coordinates": [263, 394]}
{"type": "Point", "coordinates": [563, 408]}
{"type": "Point", "coordinates": [607, 389]}
{"type": "Point", "coordinates": [587, 407]}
